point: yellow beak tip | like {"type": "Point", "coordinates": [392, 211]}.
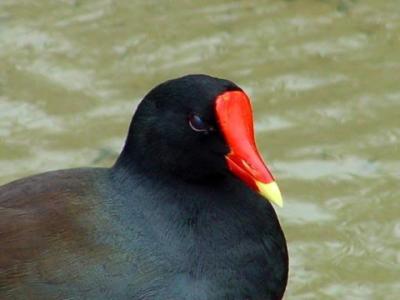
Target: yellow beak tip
{"type": "Point", "coordinates": [271, 192]}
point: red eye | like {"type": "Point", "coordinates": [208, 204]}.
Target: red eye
{"type": "Point", "coordinates": [198, 125]}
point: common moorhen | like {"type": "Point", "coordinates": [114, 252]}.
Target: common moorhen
{"type": "Point", "coordinates": [181, 214]}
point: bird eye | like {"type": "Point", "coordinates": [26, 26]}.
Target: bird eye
{"type": "Point", "coordinates": [197, 124]}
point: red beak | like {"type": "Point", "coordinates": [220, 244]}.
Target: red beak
{"type": "Point", "coordinates": [235, 118]}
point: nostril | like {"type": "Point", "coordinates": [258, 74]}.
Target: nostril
{"type": "Point", "coordinates": [248, 166]}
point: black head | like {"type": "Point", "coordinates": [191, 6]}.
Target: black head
{"type": "Point", "coordinates": [175, 131]}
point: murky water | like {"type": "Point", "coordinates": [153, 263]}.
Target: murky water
{"type": "Point", "coordinates": [324, 77]}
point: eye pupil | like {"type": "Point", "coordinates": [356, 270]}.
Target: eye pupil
{"type": "Point", "coordinates": [197, 123]}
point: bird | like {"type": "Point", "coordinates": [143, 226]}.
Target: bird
{"type": "Point", "coordinates": [184, 213]}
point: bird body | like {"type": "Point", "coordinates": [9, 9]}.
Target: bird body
{"type": "Point", "coordinates": [140, 230]}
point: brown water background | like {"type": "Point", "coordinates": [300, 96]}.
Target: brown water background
{"type": "Point", "coordinates": [324, 77]}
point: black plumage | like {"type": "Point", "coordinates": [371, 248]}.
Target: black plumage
{"type": "Point", "coordinates": [167, 221]}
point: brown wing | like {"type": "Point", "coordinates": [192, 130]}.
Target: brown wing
{"type": "Point", "coordinates": [45, 230]}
